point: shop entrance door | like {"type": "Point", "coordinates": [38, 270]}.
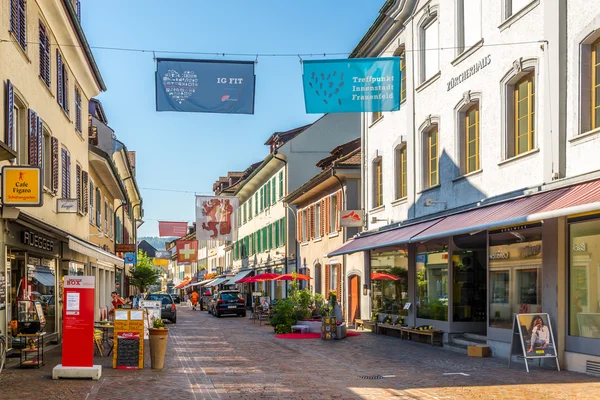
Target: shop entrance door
{"type": "Point", "coordinates": [469, 285]}
{"type": "Point", "coordinates": [353, 298]}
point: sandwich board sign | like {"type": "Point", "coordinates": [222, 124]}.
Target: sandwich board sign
{"type": "Point", "coordinates": [533, 338]}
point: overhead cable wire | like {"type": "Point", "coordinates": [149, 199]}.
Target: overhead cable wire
{"type": "Point", "coordinates": [257, 55]}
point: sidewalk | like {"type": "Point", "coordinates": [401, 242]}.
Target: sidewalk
{"type": "Point", "coordinates": [232, 358]}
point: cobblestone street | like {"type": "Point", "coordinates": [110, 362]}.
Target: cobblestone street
{"type": "Point", "coordinates": [232, 358]}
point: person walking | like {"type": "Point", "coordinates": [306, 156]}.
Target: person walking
{"type": "Point", "coordinates": [194, 299]}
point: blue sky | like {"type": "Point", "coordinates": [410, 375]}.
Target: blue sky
{"type": "Point", "coordinates": [189, 151]}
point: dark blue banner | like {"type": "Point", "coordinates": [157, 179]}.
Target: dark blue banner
{"type": "Point", "coordinates": [205, 86]}
{"type": "Point", "coordinates": [352, 85]}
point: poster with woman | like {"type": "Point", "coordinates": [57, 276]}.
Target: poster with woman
{"type": "Point", "coordinates": [536, 335]}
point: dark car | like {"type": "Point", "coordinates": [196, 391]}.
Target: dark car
{"type": "Point", "coordinates": [168, 309]}
{"type": "Point", "coordinates": [228, 302]}
{"type": "Point", "coordinates": [176, 298]}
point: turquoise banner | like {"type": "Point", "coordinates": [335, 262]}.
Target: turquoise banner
{"type": "Point", "coordinates": [352, 85]}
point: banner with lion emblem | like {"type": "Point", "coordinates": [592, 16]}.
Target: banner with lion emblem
{"type": "Point", "coordinates": [215, 217]}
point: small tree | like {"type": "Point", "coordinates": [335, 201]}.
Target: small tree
{"type": "Point", "coordinates": [143, 275]}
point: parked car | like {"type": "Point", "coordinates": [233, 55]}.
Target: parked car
{"type": "Point", "coordinates": [228, 302]}
{"type": "Point", "coordinates": [168, 309]}
{"type": "Point", "coordinates": [210, 303]}
{"type": "Point", "coordinates": [176, 298]}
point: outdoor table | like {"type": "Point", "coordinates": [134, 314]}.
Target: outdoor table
{"type": "Point", "coordinates": [105, 329]}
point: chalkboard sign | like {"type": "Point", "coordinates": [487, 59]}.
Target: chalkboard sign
{"type": "Point", "coordinates": [2, 291]}
{"type": "Point", "coordinates": [533, 338]}
{"type": "Point", "coordinates": [128, 350]}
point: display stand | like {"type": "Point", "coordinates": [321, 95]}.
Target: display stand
{"type": "Point", "coordinates": [533, 338]}
{"type": "Point", "coordinates": [32, 355]}
{"type": "Point", "coordinates": [129, 339]}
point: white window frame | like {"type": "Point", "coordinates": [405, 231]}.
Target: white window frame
{"type": "Point", "coordinates": [428, 49]}
{"type": "Point", "coordinates": [317, 224]}
{"type": "Point", "coordinates": [333, 211]}
{"type": "Point", "coordinates": [461, 25]}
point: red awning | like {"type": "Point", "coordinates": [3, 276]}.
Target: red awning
{"type": "Point", "coordinates": [381, 239]}
{"type": "Point", "coordinates": [183, 283]}
{"type": "Point", "coordinates": [562, 202]}
{"type": "Point", "coordinates": [570, 200]}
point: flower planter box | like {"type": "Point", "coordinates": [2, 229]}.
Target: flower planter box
{"type": "Point", "coordinates": [313, 325]}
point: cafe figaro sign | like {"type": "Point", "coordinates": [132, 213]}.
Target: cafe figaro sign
{"type": "Point", "coordinates": [22, 186]}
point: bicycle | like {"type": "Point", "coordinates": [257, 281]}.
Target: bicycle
{"type": "Point", "coordinates": [2, 351]}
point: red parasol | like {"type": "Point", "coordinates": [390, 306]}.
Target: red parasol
{"type": "Point", "coordinates": [384, 276]}
{"type": "Point", "coordinates": [261, 277]}
{"type": "Point", "coordinates": [290, 277]}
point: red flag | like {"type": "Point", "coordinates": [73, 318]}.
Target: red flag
{"type": "Point", "coordinates": [187, 251]}
{"type": "Point", "coordinates": [166, 228]}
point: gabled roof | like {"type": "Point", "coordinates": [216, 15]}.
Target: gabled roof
{"type": "Point", "coordinates": [147, 248]}
{"type": "Point", "coordinates": [97, 111]}
{"type": "Point", "coordinates": [340, 152]}
{"type": "Point", "coordinates": [280, 138]}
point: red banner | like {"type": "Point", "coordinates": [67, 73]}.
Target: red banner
{"type": "Point", "coordinates": [166, 228]}
{"type": "Point", "coordinates": [187, 251]}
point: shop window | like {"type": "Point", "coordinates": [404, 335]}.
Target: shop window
{"type": "Point", "coordinates": [432, 282]}
{"type": "Point", "coordinates": [584, 279]}
{"type": "Point", "coordinates": [389, 278]}
{"type": "Point", "coordinates": [515, 262]}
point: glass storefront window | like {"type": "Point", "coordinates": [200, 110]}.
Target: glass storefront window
{"type": "Point", "coordinates": [584, 279]}
{"type": "Point", "coordinates": [515, 262]}
{"type": "Point", "coordinates": [432, 284]}
{"type": "Point", "coordinates": [389, 278]}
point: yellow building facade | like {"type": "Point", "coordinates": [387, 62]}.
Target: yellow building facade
{"type": "Point", "coordinates": [48, 76]}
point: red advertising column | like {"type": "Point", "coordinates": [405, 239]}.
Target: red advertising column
{"type": "Point", "coordinates": [78, 321]}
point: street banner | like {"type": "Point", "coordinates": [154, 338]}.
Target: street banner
{"type": "Point", "coordinates": [168, 228]}
{"type": "Point", "coordinates": [161, 262]}
{"type": "Point", "coordinates": [215, 217]}
{"type": "Point", "coordinates": [209, 86]}
{"type": "Point", "coordinates": [187, 251]}
{"type": "Point", "coordinates": [351, 85]}
{"type": "Point", "coordinates": [352, 218]}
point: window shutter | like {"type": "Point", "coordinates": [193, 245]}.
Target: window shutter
{"type": "Point", "coordinates": [78, 122]}
{"type": "Point", "coordinates": [299, 227]}
{"type": "Point", "coordinates": [59, 79]}
{"type": "Point", "coordinates": [338, 284]}
{"type": "Point", "coordinates": [78, 187]}
{"type": "Point", "coordinates": [327, 214]}
{"type": "Point", "coordinates": [327, 280]}
{"type": "Point", "coordinates": [68, 175]}
{"type": "Point", "coordinates": [44, 55]}
{"type": "Point", "coordinates": [323, 219]}
{"type": "Point", "coordinates": [22, 24]}
{"type": "Point", "coordinates": [338, 211]}
{"type": "Point", "coordinates": [64, 173]}
{"type": "Point", "coordinates": [54, 165]}
{"type": "Point", "coordinates": [40, 145]}
{"type": "Point", "coordinates": [33, 142]}
{"type": "Point", "coordinates": [311, 225]}
{"type": "Point", "coordinates": [10, 115]}
{"type": "Point", "coordinates": [92, 215]}
{"type": "Point", "coordinates": [85, 200]}
{"type": "Point", "coordinates": [66, 88]}
{"type": "Point", "coordinates": [14, 17]}
{"type": "Point", "coordinates": [283, 232]}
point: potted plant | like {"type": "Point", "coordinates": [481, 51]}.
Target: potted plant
{"type": "Point", "coordinates": [158, 343]}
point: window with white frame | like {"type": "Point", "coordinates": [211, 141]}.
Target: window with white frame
{"type": "Point", "coordinates": [431, 161]}
{"type": "Point", "coordinates": [377, 182]}
{"type": "Point", "coordinates": [430, 52]}
{"type": "Point", "coordinates": [401, 174]}
{"type": "Point", "coordinates": [468, 23]}
{"type": "Point", "coordinates": [333, 277]}
{"type": "Point", "coordinates": [317, 224]}
{"type": "Point", "coordinates": [514, 6]}
{"type": "Point", "coordinates": [304, 225]}
{"type": "Point", "coordinates": [333, 213]}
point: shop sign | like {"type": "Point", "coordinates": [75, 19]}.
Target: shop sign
{"type": "Point", "coordinates": [125, 248]}
{"type": "Point", "coordinates": [352, 218]}
{"type": "Point", "coordinates": [499, 255]}
{"type": "Point", "coordinates": [66, 205]}
{"type": "Point", "coordinates": [22, 186]}
{"type": "Point", "coordinates": [530, 251]}
{"type": "Point", "coordinates": [466, 74]}
{"type": "Point", "coordinates": [130, 258]}
{"type": "Point", "coordinates": [34, 240]}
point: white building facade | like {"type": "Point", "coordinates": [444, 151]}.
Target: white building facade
{"type": "Point", "coordinates": [483, 188]}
